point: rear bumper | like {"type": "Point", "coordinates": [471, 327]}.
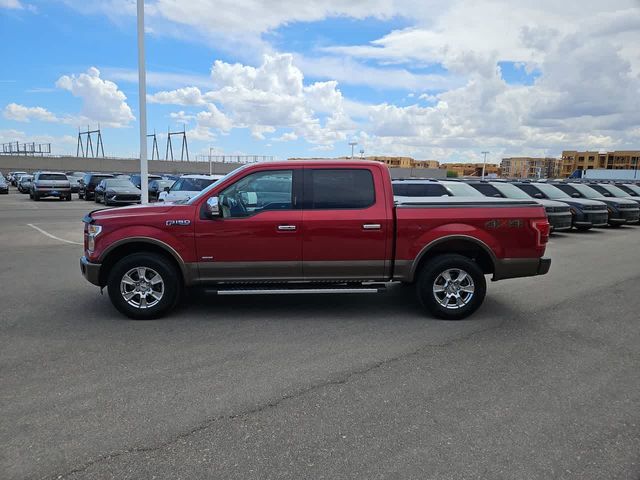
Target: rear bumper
{"type": "Point", "coordinates": [90, 271]}
{"type": "Point", "coordinates": [520, 267]}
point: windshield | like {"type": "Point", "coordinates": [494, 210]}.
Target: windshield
{"type": "Point", "coordinates": [191, 184]}
{"type": "Point", "coordinates": [586, 191]}
{"type": "Point", "coordinates": [462, 190]}
{"type": "Point", "coordinates": [634, 188]}
{"type": "Point", "coordinates": [210, 187]}
{"type": "Point", "coordinates": [615, 191]}
{"type": "Point", "coordinates": [551, 191]}
{"type": "Point", "coordinates": [510, 191]}
{"type": "Point", "coordinates": [118, 182]}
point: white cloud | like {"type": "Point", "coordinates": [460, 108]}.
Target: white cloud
{"type": "Point", "coordinates": [11, 4]}
{"type": "Point", "coordinates": [265, 98]}
{"type": "Point", "coordinates": [180, 96]}
{"type": "Point", "coordinates": [102, 101]}
{"type": "Point", "coordinates": [20, 113]}
{"type": "Point", "coordinates": [181, 117]}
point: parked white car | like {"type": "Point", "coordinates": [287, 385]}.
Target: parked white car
{"type": "Point", "coordinates": [187, 186]}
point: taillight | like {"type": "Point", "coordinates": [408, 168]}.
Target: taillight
{"type": "Point", "coordinates": [543, 228]}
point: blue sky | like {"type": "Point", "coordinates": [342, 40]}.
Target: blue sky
{"type": "Point", "coordinates": [435, 82]}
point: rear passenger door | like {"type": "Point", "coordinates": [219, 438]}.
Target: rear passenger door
{"type": "Point", "coordinates": [345, 225]}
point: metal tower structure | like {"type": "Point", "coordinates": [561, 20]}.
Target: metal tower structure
{"type": "Point", "coordinates": [184, 149]}
{"type": "Point", "coordinates": [88, 146]}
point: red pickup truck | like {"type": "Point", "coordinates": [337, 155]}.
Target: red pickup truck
{"type": "Point", "coordinates": [312, 227]}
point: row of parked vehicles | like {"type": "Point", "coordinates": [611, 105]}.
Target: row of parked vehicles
{"type": "Point", "coordinates": [568, 204]}
{"type": "Point", "coordinates": [108, 188]}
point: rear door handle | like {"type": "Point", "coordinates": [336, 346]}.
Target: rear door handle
{"type": "Point", "coordinates": [287, 228]}
{"type": "Point", "coordinates": [372, 226]}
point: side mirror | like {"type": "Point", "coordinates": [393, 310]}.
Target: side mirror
{"type": "Point", "coordinates": [538, 195]}
{"type": "Point", "coordinates": [166, 189]}
{"type": "Point", "coordinates": [212, 207]}
{"type": "Point", "coordinates": [575, 195]}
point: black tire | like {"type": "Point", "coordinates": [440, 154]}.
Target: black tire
{"type": "Point", "coordinates": [86, 198]}
{"type": "Point", "coordinates": [36, 197]}
{"type": "Point", "coordinates": [168, 273]}
{"type": "Point", "coordinates": [80, 196]}
{"type": "Point", "coordinates": [583, 229]}
{"type": "Point", "coordinates": [430, 277]}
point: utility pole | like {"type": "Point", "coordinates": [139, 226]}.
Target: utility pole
{"type": "Point", "coordinates": [142, 94]}
{"type": "Point", "coordinates": [210, 170]}
{"type": "Point", "coordinates": [484, 163]}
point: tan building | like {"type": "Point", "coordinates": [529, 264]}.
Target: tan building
{"type": "Point", "coordinates": [617, 160]}
{"type": "Point", "coordinates": [471, 169]}
{"type": "Point", "coordinates": [530, 167]}
{"type": "Point", "coordinates": [391, 162]}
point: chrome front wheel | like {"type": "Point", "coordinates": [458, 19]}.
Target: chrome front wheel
{"type": "Point", "coordinates": [142, 287]}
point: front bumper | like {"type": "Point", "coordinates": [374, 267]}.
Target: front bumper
{"type": "Point", "coordinates": [90, 271]}
{"type": "Point", "coordinates": [520, 267]}
{"type": "Point", "coordinates": [559, 221]}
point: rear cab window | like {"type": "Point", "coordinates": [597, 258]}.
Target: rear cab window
{"type": "Point", "coordinates": [340, 188]}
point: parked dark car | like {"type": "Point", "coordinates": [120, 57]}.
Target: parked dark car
{"type": "Point", "coordinates": [585, 213]}
{"type": "Point", "coordinates": [4, 187]}
{"type": "Point", "coordinates": [50, 184]}
{"type": "Point", "coordinates": [157, 186]}
{"type": "Point", "coordinates": [612, 191]}
{"type": "Point", "coordinates": [631, 188]}
{"type": "Point", "coordinates": [24, 185]}
{"type": "Point", "coordinates": [621, 210]}
{"type": "Point", "coordinates": [558, 213]}
{"type": "Point", "coordinates": [89, 183]}
{"type": "Point", "coordinates": [136, 179]}
{"type": "Point", "coordinates": [14, 177]}
{"type": "Point", "coordinates": [74, 180]}
{"type": "Point", "coordinates": [113, 191]}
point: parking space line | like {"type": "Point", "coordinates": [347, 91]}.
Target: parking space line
{"type": "Point", "coordinates": [52, 236]}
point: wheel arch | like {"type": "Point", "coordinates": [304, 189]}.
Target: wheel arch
{"type": "Point", "coordinates": [132, 245]}
{"type": "Point", "coordinates": [464, 245]}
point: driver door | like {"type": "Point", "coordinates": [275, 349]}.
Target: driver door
{"type": "Point", "coordinates": [258, 235]}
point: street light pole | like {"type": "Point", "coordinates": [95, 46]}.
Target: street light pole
{"type": "Point", "coordinates": [353, 143]}
{"type": "Point", "coordinates": [484, 163]}
{"type": "Point", "coordinates": [210, 171]}
{"type": "Point", "coordinates": [142, 94]}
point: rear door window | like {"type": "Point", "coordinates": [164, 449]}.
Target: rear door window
{"type": "Point", "coordinates": [339, 189]}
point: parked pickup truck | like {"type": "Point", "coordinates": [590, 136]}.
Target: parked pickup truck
{"type": "Point", "coordinates": [312, 227]}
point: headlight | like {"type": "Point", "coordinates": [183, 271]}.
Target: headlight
{"type": "Point", "coordinates": [92, 232]}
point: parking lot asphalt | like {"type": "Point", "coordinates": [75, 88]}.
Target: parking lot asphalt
{"type": "Point", "coordinates": [541, 383]}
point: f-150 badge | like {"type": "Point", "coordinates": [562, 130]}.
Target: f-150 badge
{"type": "Point", "coordinates": [182, 223]}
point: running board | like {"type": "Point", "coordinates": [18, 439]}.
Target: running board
{"type": "Point", "coordinates": [255, 290]}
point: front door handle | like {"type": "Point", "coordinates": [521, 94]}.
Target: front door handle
{"type": "Point", "coordinates": [372, 226]}
{"type": "Point", "coordinates": [287, 228]}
